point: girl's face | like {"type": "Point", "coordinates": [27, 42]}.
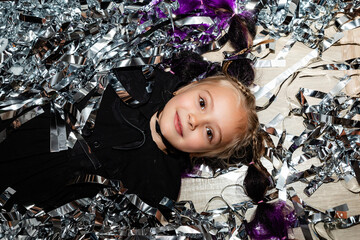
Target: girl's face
{"type": "Point", "coordinates": [203, 117]}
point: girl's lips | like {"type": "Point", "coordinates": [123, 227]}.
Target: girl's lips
{"type": "Point", "coordinates": [178, 126]}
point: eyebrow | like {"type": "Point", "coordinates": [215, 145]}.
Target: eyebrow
{"type": "Point", "coordinates": [212, 106]}
{"type": "Point", "coordinates": [211, 98]}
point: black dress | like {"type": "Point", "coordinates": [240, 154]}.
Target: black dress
{"type": "Point", "coordinates": [43, 178]}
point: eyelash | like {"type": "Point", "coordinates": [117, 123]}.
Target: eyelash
{"type": "Point", "coordinates": [209, 134]}
{"type": "Point", "coordinates": [202, 103]}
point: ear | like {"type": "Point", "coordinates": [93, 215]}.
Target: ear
{"type": "Point", "coordinates": [186, 87]}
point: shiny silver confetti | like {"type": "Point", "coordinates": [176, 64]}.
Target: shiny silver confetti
{"type": "Point", "coordinates": [59, 51]}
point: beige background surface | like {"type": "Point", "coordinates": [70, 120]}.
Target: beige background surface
{"type": "Point", "coordinates": [329, 195]}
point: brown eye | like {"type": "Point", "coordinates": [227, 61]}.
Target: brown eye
{"type": "Point", "coordinates": [209, 134]}
{"type": "Point", "coordinates": [202, 103]}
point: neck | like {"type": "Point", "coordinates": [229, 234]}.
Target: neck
{"type": "Point", "coordinates": [155, 136]}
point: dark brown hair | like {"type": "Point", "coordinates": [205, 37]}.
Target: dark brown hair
{"type": "Point", "coordinates": [189, 65]}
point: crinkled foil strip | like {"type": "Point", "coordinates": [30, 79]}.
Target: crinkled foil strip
{"type": "Point", "coordinates": [332, 135]}
{"type": "Point", "coordinates": [113, 214]}
{"type": "Point", "coordinates": [59, 51]}
{"type": "Point", "coordinates": [308, 216]}
{"type": "Point", "coordinates": [63, 50]}
{"type": "Point", "coordinates": [350, 64]}
{"type": "Point", "coordinates": [330, 131]}
{"type": "Point", "coordinates": [305, 21]}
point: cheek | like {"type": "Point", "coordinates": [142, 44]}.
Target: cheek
{"type": "Point", "coordinates": [166, 126]}
{"type": "Point", "coordinates": [197, 139]}
{"type": "Point", "coordinates": [184, 100]}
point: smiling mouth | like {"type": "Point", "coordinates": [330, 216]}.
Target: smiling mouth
{"type": "Point", "coordinates": [178, 126]}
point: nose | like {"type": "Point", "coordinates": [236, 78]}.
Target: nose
{"type": "Point", "coordinates": [194, 121]}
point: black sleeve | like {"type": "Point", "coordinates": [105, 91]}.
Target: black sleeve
{"type": "Point", "coordinates": [135, 83]}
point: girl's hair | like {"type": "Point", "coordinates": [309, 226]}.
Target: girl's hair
{"type": "Point", "coordinates": [273, 219]}
{"type": "Point", "coordinates": [189, 65]}
{"type": "Point", "coordinates": [270, 221]}
{"type": "Point", "coordinates": [241, 34]}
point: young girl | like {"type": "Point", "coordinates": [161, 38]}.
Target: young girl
{"type": "Point", "coordinates": [144, 146]}
{"type": "Point", "coordinates": [147, 147]}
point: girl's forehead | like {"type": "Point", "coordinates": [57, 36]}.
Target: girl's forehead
{"type": "Point", "coordinates": [222, 85]}
{"type": "Point", "coordinates": [216, 84]}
